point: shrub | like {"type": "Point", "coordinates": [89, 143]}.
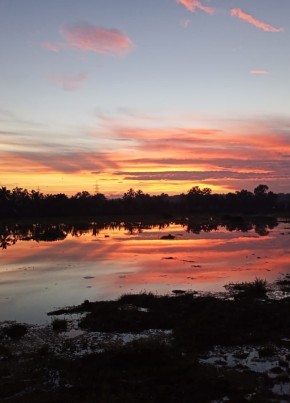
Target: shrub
{"type": "Point", "coordinates": [59, 325]}
{"type": "Point", "coordinates": [15, 331]}
{"type": "Point", "coordinates": [267, 351]}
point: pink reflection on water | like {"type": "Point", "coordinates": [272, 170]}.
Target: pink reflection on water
{"type": "Point", "coordinates": [39, 276]}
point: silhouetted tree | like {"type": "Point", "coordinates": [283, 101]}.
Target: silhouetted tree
{"type": "Point", "coordinates": [197, 198]}
{"type": "Point", "coordinates": [261, 190]}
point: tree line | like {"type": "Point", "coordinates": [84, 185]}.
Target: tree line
{"type": "Point", "coordinates": [19, 203]}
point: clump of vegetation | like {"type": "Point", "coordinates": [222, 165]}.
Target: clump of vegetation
{"type": "Point", "coordinates": [121, 316]}
{"type": "Point", "coordinates": [283, 284]}
{"type": "Point", "coordinates": [169, 236]}
{"type": "Point", "coordinates": [267, 350]}
{"type": "Point", "coordinates": [253, 289]}
{"type": "Point", "coordinates": [197, 322]}
{"type": "Point", "coordinates": [15, 331]}
{"type": "Point", "coordinates": [43, 351]}
{"type": "Point", "coordinates": [4, 352]}
{"type": "Point", "coordinates": [147, 370]}
{"type": "Point", "coordinates": [143, 299]}
{"type": "Point", "coordinates": [59, 325]}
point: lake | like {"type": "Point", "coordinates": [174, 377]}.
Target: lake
{"type": "Point", "coordinates": [45, 266]}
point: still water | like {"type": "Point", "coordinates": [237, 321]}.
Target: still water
{"type": "Point", "coordinates": [43, 267]}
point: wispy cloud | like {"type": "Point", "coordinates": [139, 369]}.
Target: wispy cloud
{"type": "Point", "coordinates": [47, 162]}
{"type": "Point", "coordinates": [7, 116]}
{"type": "Point", "coordinates": [193, 5]}
{"type": "Point", "coordinates": [191, 175]}
{"type": "Point", "coordinates": [259, 72]}
{"type": "Point", "coordinates": [69, 83]}
{"type": "Point", "coordinates": [238, 13]}
{"type": "Point", "coordinates": [185, 23]}
{"type": "Point", "coordinates": [53, 47]}
{"type": "Point", "coordinates": [89, 38]}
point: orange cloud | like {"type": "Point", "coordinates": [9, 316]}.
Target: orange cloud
{"type": "Point", "coordinates": [69, 83]}
{"type": "Point", "coordinates": [237, 12]}
{"type": "Point", "coordinates": [89, 38]}
{"type": "Point", "coordinates": [192, 5]}
{"type": "Point", "coordinates": [53, 161]}
{"type": "Point", "coordinates": [259, 72]}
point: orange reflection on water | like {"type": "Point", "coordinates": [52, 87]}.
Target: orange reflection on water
{"type": "Point", "coordinates": [115, 261]}
{"type": "Point", "coordinates": [199, 263]}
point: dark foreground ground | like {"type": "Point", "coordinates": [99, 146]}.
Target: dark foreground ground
{"type": "Point", "coordinates": [146, 348]}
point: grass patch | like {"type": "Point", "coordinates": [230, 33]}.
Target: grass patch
{"type": "Point", "coordinates": [157, 368]}
{"type": "Point", "coordinates": [254, 289]}
{"type": "Point", "coordinates": [197, 322]}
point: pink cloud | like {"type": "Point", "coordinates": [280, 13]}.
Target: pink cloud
{"type": "Point", "coordinates": [237, 12]}
{"type": "Point", "coordinates": [192, 5]}
{"type": "Point", "coordinates": [259, 72]}
{"type": "Point", "coordinates": [69, 83]}
{"type": "Point", "coordinates": [89, 38]}
{"type": "Point", "coordinates": [54, 47]}
{"type": "Point", "coordinates": [51, 162]}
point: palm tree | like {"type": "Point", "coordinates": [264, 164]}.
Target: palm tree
{"type": "Point", "coordinates": [4, 193]}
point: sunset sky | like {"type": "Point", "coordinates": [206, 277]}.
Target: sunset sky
{"type": "Point", "coordinates": [158, 95]}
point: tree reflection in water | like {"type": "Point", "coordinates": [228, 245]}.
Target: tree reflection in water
{"type": "Point", "coordinates": [7, 240]}
{"type": "Point", "coordinates": [10, 234]}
